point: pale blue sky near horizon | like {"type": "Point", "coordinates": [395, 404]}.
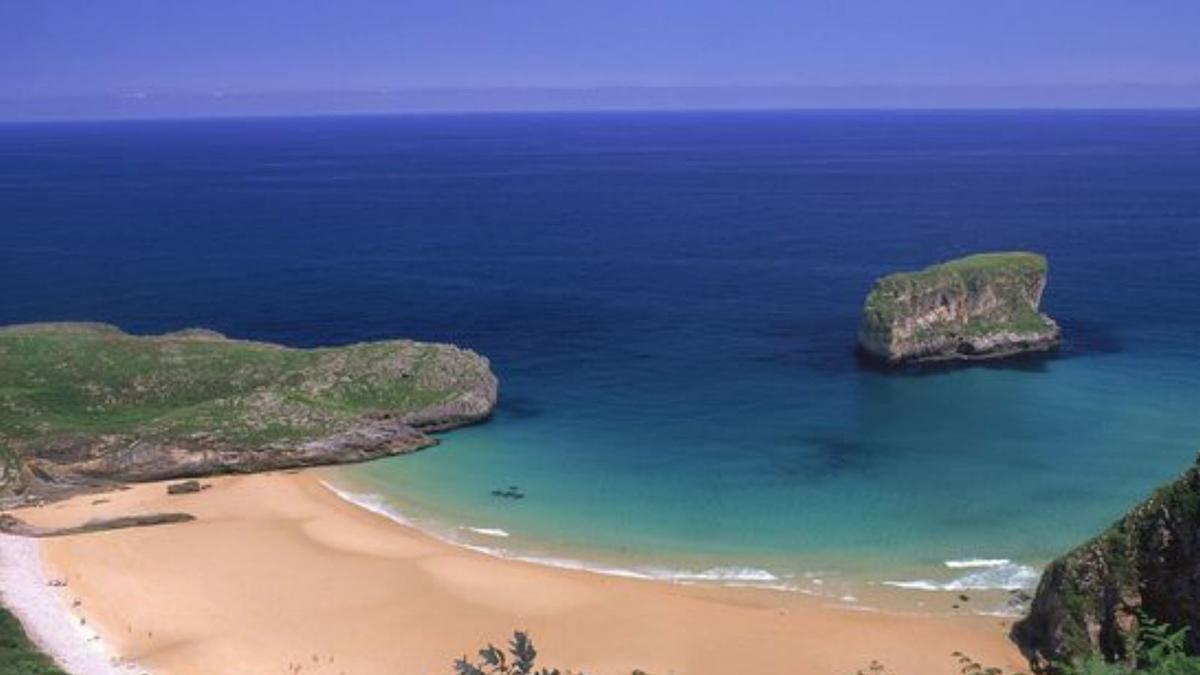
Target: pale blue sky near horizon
{"type": "Point", "coordinates": [120, 56]}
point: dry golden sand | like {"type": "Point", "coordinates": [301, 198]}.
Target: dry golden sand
{"type": "Point", "coordinates": [278, 572]}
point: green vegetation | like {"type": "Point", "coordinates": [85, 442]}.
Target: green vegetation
{"type": "Point", "coordinates": [965, 301]}
{"type": "Point", "coordinates": [1110, 572]}
{"type": "Point", "coordinates": [1004, 261]}
{"type": "Point", "coordinates": [18, 656]}
{"type": "Point", "coordinates": [971, 270]}
{"type": "Point", "coordinates": [519, 660]}
{"type": "Point", "coordinates": [67, 386]}
{"type": "Point", "coordinates": [1159, 649]}
{"type": "Point", "coordinates": [1007, 272]}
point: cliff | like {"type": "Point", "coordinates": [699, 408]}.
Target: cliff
{"type": "Point", "coordinates": [1088, 601]}
{"type": "Point", "coordinates": [980, 307]}
{"type": "Point", "coordinates": [85, 404]}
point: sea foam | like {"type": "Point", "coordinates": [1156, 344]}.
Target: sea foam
{"type": "Point", "coordinates": [987, 574]}
{"type": "Point", "coordinates": [372, 502]}
{"type": "Point", "coordinates": [977, 562]}
{"type": "Point", "coordinates": [725, 576]}
{"type": "Point", "coordinates": [489, 531]}
{"type": "Point", "coordinates": [728, 575]}
{"type": "Point", "coordinates": [983, 574]}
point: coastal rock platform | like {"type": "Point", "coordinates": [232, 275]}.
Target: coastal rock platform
{"type": "Point", "coordinates": [85, 405]}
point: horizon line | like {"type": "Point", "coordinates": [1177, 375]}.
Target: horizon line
{"type": "Point", "coordinates": [145, 105]}
{"type": "Point", "coordinates": [232, 116]}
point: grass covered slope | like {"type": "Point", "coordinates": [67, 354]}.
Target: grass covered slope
{"type": "Point", "coordinates": [980, 306]}
{"type": "Point", "coordinates": [87, 401]}
{"type": "Point", "coordinates": [19, 656]}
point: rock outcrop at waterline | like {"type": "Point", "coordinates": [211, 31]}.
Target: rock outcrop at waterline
{"type": "Point", "coordinates": [1089, 601]}
{"type": "Point", "coordinates": [86, 404]}
{"type": "Point", "coordinates": [979, 307]}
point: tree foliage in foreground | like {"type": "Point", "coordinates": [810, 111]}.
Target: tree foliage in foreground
{"type": "Point", "coordinates": [1161, 650]}
{"type": "Point", "coordinates": [519, 660]}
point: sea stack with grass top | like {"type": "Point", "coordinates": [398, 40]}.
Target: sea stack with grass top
{"type": "Point", "coordinates": [983, 306]}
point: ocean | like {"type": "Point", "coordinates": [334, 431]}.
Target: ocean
{"type": "Point", "coordinates": [670, 301]}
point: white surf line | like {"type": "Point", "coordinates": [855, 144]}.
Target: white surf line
{"type": "Point", "coordinates": [746, 577]}
{"type": "Point", "coordinates": [25, 591]}
{"type": "Point", "coordinates": [976, 562]}
{"type": "Point", "coordinates": [488, 531]}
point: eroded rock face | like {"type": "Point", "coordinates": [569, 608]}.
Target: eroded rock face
{"type": "Point", "coordinates": [88, 404]}
{"type": "Point", "coordinates": [980, 307]}
{"type": "Point", "coordinates": [1088, 601]}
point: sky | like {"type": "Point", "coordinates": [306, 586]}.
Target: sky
{"type": "Point", "coordinates": [115, 57]}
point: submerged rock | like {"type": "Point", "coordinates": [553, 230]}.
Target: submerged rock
{"type": "Point", "coordinates": [982, 306]}
{"type": "Point", "coordinates": [1090, 600]}
{"type": "Point", "coordinates": [513, 492]}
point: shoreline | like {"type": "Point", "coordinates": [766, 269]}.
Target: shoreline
{"type": "Point", "coordinates": [26, 590]}
{"type": "Point", "coordinates": [271, 556]}
{"type": "Point", "coordinates": [745, 577]}
{"type": "Point", "coordinates": [991, 582]}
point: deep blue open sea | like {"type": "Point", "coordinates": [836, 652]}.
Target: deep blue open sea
{"type": "Point", "coordinates": [670, 301]}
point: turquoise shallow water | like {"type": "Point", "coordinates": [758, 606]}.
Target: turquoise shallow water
{"type": "Point", "coordinates": [903, 475]}
{"type": "Point", "coordinates": [670, 301]}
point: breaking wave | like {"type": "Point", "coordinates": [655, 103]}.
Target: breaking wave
{"type": "Point", "coordinates": [729, 575]}
{"type": "Point", "coordinates": [489, 531]}
{"type": "Point", "coordinates": [987, 574]}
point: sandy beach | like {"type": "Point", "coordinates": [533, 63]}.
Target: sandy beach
{"type": "Point", "coordinates": [279, 575]}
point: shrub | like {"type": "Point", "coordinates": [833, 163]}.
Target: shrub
{"type": "Point", "coordinates": [1161, 650]}
{"type": "Point", "coordinates": [494, 661]}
